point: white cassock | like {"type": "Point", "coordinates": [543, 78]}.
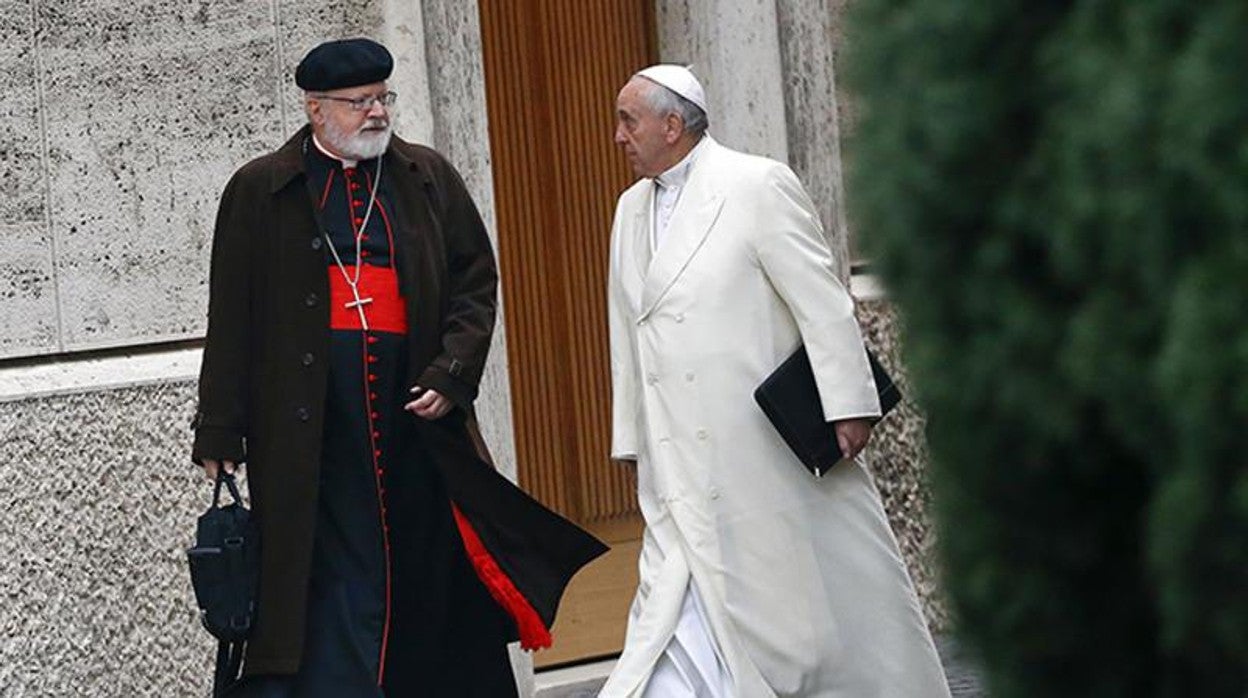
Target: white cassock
{"type": "Point", "coordinates": [756, 579]}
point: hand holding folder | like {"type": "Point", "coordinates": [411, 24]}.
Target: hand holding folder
{"type": "Point", "coordinates": [790, 399]}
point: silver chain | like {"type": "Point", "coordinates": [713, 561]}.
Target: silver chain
{"type": "Point", "coordinates": [359, 237]}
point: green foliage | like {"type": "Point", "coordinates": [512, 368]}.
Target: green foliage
{"type": "Point", "coordinates": [1057, 196]}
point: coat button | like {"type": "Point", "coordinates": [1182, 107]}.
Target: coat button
{"type": "Point", "coordinates": [651, 378]}
{"type": "Point", "coordinates": [680, 317]}
{"type": "Point", "coordinates": [311, 300]}
{"type": "Point", "coordinates": [714, 493]}
{"type": "Point", "coordinates": [689, 376]}
{"type": "Point", "coordinates": [316, 243]}
{"type": "Point", "coordinates": [303, 414]}
{"type": "Point", "coordinates": [703, 434]}
{"type": "Point", "coordinates": [308, 359]}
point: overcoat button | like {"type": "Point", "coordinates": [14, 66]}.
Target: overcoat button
{"type": "Point", "coordinates": [310, 301]}
{"type": "Point", "coordinates": [316, 243]}
{"type": "Point", "coordinates": [680, 317]}
{"type": "Point", "coordinates": [303, 414]}
{"type": "Point", "coordinates": [308, 359]}
{"type": "Point", "coordinates": [702, 434]}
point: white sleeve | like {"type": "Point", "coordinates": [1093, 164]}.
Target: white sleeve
{"type": "Point", "coordinates": [794, 254]}
{"type": "Point", "coordinates": [625, 405]}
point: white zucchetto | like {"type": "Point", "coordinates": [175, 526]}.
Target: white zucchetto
{"type": "Point", "coordinates": [678, 79]}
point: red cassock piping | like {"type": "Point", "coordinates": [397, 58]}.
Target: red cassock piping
{"type": "Point", "coordinates": [534, 634]}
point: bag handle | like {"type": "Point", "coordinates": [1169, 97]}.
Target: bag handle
{"type": "Point", "coordinates": [228, 480]}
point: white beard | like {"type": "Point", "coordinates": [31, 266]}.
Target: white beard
{"type": "Point", "coordinates": [361, 145]}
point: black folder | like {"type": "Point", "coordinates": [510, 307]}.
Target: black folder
{"type": "Point", "coordinates": [790, 400]}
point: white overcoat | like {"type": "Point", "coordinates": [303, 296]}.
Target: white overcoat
{"type": "Point", "coordinates": [805, 590]}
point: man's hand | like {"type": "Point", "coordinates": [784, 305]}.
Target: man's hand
{"type": "Point", "coordinates": [852, 435]}
{"type": "Point", "coordinates": [212, 467]}
{"type": "Point", "coordinates": [430, 404]}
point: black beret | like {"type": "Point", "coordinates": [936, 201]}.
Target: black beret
{"type": "Point", "coordinates": [345, 63]}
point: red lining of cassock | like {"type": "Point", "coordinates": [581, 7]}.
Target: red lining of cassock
{"type": "Point", "coordinates": [387, 312]}
{"type": "Point", "coordinates": [533, 632]}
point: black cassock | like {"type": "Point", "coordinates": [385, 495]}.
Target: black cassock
{"type": "Point", "coordinates": [395, 606]}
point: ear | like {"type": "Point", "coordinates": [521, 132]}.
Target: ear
{"type": "Point", "coordinates": [673, 128]}
{"type": "Point", "coordinates": [313, 109]}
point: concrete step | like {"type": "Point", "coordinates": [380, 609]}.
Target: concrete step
{"type": "Point", "coordinates": [585, 680]}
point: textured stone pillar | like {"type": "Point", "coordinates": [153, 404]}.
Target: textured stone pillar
{"type": "Point", "coordinates": [460, 131]}
{"type": "Point", "coordinates": [734, 49]}
{"type": "Point", "coordinates": [768, 69]}
{"type": "Point", "coordinates": [403, 32]}
{"type": "Point", "coordinates": [811, 112]}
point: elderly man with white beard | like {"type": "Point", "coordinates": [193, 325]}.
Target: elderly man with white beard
{"type": "Point", "coordinates": [351, 305]}
{"type": "Point", "coordinates": [757, 579]}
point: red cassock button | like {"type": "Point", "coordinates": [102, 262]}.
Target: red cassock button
{"type": "Point", "coordinates": [374, 415]}
{"type": "Point", "coordinates": [372, 378]}
{"type": "Point", "coordinates": [372, 396]}
{"type": "Point", "coordinates": [377, 453]}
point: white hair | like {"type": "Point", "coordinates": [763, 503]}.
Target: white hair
{"type": "Point", "coordinates": [664, 101]}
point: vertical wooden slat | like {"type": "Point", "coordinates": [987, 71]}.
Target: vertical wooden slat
{"type": "Point", "coordinates": [552, 69]}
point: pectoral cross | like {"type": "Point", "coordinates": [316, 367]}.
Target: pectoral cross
{"type": "Point", "coordinates": [359, 304]}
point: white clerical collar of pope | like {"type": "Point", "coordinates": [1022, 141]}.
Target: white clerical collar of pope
{"type": "Point", "coordinates": [676, 176]}
{"type": "Point", "coordinates": [346, 164]}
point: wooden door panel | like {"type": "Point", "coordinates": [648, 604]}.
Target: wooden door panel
{"type": "Point", "coordinates": [552, 70]}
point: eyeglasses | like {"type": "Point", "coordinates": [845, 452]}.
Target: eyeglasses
{"type": "Point", "coordinates": [364, 103]}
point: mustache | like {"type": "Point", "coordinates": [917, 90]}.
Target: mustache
{"type": "Point", "coordinates": [375, 124]}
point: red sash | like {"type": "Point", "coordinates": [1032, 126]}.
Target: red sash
{"type": "Point", "coordinates": [386, 312]}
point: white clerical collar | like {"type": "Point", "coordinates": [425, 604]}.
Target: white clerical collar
{"type": "Point", "coordinates": [674, 178]}
{"type": "Point", "coordinates": [346, 164]}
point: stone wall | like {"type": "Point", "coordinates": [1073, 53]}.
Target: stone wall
{"type": "Point", "coordinates": [127, 118]}
{"type": "Point", "coordinates": [99, 505]}
{"type": "Point", "coordinates": [898, 460]}
{"type": "Point", "coordinates": [768, 69]}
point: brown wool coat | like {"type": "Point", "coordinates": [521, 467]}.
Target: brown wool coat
{"type": "Point", "coordinates": [264, 375]}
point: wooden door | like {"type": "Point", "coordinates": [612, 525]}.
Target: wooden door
{"type": "Point", "coordinates": [552, 70]}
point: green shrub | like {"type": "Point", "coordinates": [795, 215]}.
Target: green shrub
{"type": "Point", "coordinates": [1056, 194]}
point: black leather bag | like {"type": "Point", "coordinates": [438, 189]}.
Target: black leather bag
{"type": "Point", "coordinates": [225, 572]}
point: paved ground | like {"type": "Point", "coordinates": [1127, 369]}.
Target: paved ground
{"type": "Point", "coordinates": [964, 679]}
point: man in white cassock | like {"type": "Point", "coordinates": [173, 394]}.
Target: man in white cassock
{"type": "Point", "coordinates": [756, 578]}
